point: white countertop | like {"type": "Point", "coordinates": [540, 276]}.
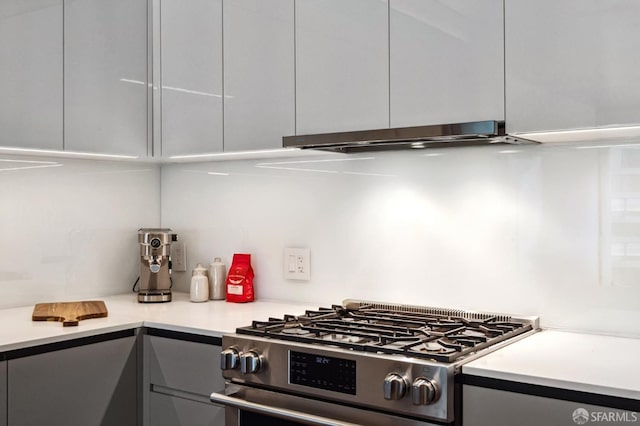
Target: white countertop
{"type": "Point", "coordinates": [583, 362]}
{"type": "Point", "coordinates": [212, 318]}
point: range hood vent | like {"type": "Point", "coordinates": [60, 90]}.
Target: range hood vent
{"type": "Point", "coordinates": [434, 136]}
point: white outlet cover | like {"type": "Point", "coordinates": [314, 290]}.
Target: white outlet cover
{"type": "Point", "coordinates": [178, 257]}
{"type": "Point", "coordinates": [297, 264]}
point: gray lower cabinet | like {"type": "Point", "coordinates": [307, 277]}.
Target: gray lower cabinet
{"type": "Point", "coordinates": [483, 406]}
{"type": "Point", "coordinates": [179, 375]}
{"type": "Point", "coordinates": [174, 410]}
{"type": "Point", "coordinates": [92, 384]}
{"type": "Point", "coordinates": [3, 393]}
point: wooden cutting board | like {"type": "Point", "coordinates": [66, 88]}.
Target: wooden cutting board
{"type": "Point", "coordinates": [69, 312]}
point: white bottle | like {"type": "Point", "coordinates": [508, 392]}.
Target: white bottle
{"type": "Point", "coordinates": [218, 280]}
{"type": "Point", "coordinates": [199, 284]}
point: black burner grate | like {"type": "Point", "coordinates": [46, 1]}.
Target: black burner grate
{"type": "Point", "coordinates": [437, 334]}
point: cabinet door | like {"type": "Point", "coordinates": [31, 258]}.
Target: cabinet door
{"type": "Point", "coordinates": [182, 365]}
{"type": "Point", "coordinates": [105, 76]}
{"type": "Point", "coordinates": [447, 61]}
{"type": "Point", "coordinates": [342, 65]}
{"type": "Point", "coordinates": [571, 64]}
{"type": "Point", "coordinates": [3, 393]}
{"type": "Point", "coordinates": [482, 406]}
{"type": "Point", "coordinates": [258, 74]}
{"type": "Point", "coordinates": [31, 73]}
{"type": "Point", "coordinates": [184, 368]}
{"type": "Point", "coordinates": [85, 385]}
{"type": "Point", "coordinates": [191, 74]}
{"type": "Point", "coordinates": [166, 410]}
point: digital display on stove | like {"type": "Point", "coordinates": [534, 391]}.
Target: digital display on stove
{"type": "Point", "coordinates": [322, 372]}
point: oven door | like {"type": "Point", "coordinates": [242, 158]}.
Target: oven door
{"type": "Point", "coordinates": [249, 406]}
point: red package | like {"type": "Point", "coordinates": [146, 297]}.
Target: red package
{"type": "Point", "coordinates": [240, 279]}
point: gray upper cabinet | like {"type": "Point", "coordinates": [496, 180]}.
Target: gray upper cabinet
{"type": "Point", "coordinates": [446, 61]}
{"type": "Point", "coordinates": [342, 65]}
{"type": "Point", "coordinates": [31, 74]}
{"type": "Point", "coordinates": [191, 76]}
{"type": "Point", "coordinates": [259, 82]}
{"type": "Point", "coordinates": [105, 76]}
{"type": "Point", "coordinates": [571, 64]}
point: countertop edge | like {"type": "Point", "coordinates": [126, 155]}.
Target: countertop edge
{"type": "Point", "coordinates": [183, 329]}
{"type": "Point", "coordinates": [550, 382]}
{"type": "Point", "coordinates": [68, 336]}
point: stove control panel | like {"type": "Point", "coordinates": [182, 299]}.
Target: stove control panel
{"type": "Point", "coordinates": [322, 372]}
{"type": "Point", "coordinates": [386, 382]}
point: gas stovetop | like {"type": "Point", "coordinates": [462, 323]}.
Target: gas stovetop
{"type": "Point", "coordinates": [436, 334]}
{"type": "Point", "coordinates": [389, 358]}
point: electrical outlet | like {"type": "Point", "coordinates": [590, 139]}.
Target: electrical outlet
{"type": "Point", "coordinates": [178, 257]}
{"type": "Point", "coordinates": [297, 264]}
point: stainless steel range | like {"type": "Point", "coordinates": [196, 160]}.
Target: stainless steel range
{"type": "Point", "coordinates": [358, 363]}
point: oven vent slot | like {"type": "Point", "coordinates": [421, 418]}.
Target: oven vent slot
{"type": "Point", "coordinates": [478, 316]}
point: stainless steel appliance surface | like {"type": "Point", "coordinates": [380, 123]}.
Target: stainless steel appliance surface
{"type": "Point", "coordinates": [155, 264]}
{"type": "Point", "coordinates": [391, 139]}
{"type": "Point", "coordinates": [358, 363]}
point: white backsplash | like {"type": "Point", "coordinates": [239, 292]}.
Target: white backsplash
{"type": "Point", "coordinates": [549, 231]}
{"type": "Point", "coordinates": [535, 230]}
{"type": "Point", "coordinates": [69, 227]}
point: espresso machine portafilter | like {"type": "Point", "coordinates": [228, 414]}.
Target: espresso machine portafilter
{"type": "Point", "coordinates": [155, 264]}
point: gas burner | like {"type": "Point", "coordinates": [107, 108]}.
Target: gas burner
{"type": "Point", "coordinates": [441, 335]}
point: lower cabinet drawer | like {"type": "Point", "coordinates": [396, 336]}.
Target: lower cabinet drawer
{"type": "Point", "coordinates": [165, 410]}
{"type": "Point", "coordinates": [183, 365]}
{"type": "Point", "coordinates": [484, 406]}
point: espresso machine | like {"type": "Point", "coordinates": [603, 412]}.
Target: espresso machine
{"type": "Point", "coordinates": [155, 264]}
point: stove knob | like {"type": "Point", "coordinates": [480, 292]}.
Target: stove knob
{"type": "Point", "coordinates": [250, 362]}
{"type": "Point", "coordinates": [229, 359]}
{"type": "Point", "coordinates": [395, 386]}
{"type": "Point", "coordinates": [424, 391]}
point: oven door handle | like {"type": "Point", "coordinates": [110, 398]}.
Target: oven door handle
{"type": "Point", "coordinates": [281, 413]}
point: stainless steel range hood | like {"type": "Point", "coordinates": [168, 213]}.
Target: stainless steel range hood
{"type": "Point", "coordinates": [433, 136]}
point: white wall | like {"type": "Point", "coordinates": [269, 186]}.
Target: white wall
{"type": "Point", "coordinates": [69, 227]}
{"type": "Point", "coordinates": [487, 228]}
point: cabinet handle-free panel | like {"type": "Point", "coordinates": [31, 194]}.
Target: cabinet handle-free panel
{"type": "Point", "coordinates": [3, 393]}
{"type": "Point", "coordinates": [580, 71]}
{"type": "Point", "coordinates": [447, 61]}
{"type": "Point", "coordinates": [105, 76]}
{"type": "Point", "coordinates": [191, 74]}
{"type": "Point", "coordinates": [95, 384]}
{"type": "Point", "coordinates": [31, 73]}
{"type": "Point", "coordinates": [258, 73]}
{"type": "Point", "coordinates": [167, 410]}
{"type": "Point", "coordinates": [342, 65]}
